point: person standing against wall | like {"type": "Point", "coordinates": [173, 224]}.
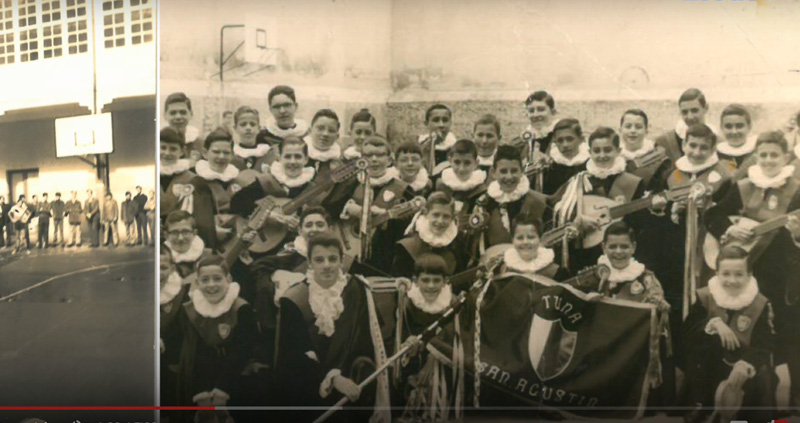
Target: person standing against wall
{"type": "Point", "coordinates": [43, 212]}
{"type": "Point", "coordinates": [57, 209]}
{"type": "Point", "coordinates": [141, 216]}
{"type": "Point", "coordinates": [129, 218]}
{"type": "Point", "coordinates": [110, 216]}
{"type": "Point", "coordinates": [92, 208]}
{"type": "Point", "coordinates": [150, 211]}
{"type": "Point", "coordinates": [74, 211]}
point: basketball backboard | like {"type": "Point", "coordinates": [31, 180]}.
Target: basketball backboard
{"type": "Point", "coordinates": [84, 135]}
{"type": "Point", "coordinates": [260, 40]}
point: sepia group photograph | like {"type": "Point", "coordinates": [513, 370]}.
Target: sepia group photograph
{"type": "Point", "coordinates": [399, 211]}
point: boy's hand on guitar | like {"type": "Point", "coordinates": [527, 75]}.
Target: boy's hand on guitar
{"type": "Point", "coordinates": [659, 203]}
{"type": "Point", "coordinates": [414, 345]}
{"type": "Point", "coordinates": [352, 209]}
{"type": "Point", "coordinates": [249, 236]}
{"type": "Point", "coordinates": [727, 337]}
{"type": "Point", "coordinates": [377, 210]}
{"type": "Point", "coordinates": [292, 222]}
{"type": "Point", "coordinates": [587, 222]}
{"type": "Point", "coordinates": [738, 233]}
{"type": "Point", "coordinates": [347, 388]}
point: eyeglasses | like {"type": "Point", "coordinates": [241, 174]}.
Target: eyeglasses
{"type": "Point", "coordinates": [375, 155]}
{"type": "Point", "coordinates": [184, 233]}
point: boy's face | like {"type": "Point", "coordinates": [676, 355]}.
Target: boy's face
{"type": "Point", "coordinates": [735, 129]}
{"type": "Point", "coordinates": [692, 112]}
{"type": "Point", "coordinates": [567, 142]}
{"type": "Point", "coordinates": [507, 173]}
{"type": "Point", "coordinates": [378, 160]}
{"type": "Point", "coordinates": [58, 198]}
{"type": "Point", "coordinates": [325, 133]}
{"type": "Point", "coordinates": [293, 160]}
{"type": "Point", "coordinates": [440, 217]}
{"type": "Point", "coordinates": [247, 128]}
{"type": "Point", "coordinates": [326, 263]}
{"type": "Point", "coordinates": [165, 268]}
{"type": "Point", "coordinates": [430, 285]}
{"type": "Point", "coordinates": [698, 149]}
{"type": "Point", "coordinates": [486, 139]}
{"type": "Point", "coordinates": [526, 241]}
{"type": "Point", "coordinates": [771, 158]}
{"type": "Point", "coordinates": [127, 196]}
{"type": "Point", "coordinates": [409, 165]}
{"type": "Point", "coordinates": [540, 114]}
{"type": "Point", "coordinates": [463, 165]}
{"type": "Point", "coordinates": [619, 249]}
{"type": "Point", "coordinates": [360, 131]}
{"type": "Point", "coordinates": [227, 119]}
{"type": "Point", "coordinates": [178, 116]}
{"type": "Point", "coordinates": [313, 224]}
{"type": "Point", "coordinates": [219, 155]}
{"type": "Point", "coordinates": [603, 153]}
{"type": "Point", "coordinates": [180, 235]}
{"type": "Point", "coordinates": [633, 129]}
{"type": "Point", "coordinates": [283, 109]}
{"type": "Point", "coordinates": [733, 274]}
{"type": "Point", "coordinates": [213, 282]}
{"type": "Point", "coordinates": [439, 121]}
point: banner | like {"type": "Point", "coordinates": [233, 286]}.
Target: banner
{"type": "Point", "coordinates": [547, 344]}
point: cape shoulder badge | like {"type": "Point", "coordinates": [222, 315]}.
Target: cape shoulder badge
{"type": "Point", "coordinates": [224, 330]}
{"type": "Point", "coordinates": [714, 177]}
{"type": "Point", "coordinates": [388, 195]}
{"type": "Point", "coordinates": [743, 323]}
{"type": "Point", "coordinates": [637, 288]}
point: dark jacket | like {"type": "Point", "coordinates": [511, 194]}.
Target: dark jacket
{"type": "Point", "coordinates": [58, 208]}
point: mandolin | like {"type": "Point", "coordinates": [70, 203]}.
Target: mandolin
{"type": "Point", "coordinates": [755, 246]}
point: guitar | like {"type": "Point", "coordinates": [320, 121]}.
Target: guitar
{"type": "Point", "coordinates": [255, 222]}
{"type": "Point", "coordinates": [606, 211]}
{"type": "Point", "coordinates": [755, 246]}
{"type": "Point", "coordinates": [351, 229]}
{"type": "Point", "coordinates": [273, 230]}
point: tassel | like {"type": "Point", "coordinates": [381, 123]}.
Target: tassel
{"type": "Point", "coordinates": [413, 223]}
{"type": "Point", "coordinates": [477, 345]}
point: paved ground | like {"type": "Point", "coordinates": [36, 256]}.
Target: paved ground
{"type": "Point", "coordinates": [77, 328]}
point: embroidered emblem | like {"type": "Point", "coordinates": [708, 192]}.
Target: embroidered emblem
{"type": "Point", "coordinates": [249, 164]}
{"type": "Point", "coordinates": [388, 196]}
{"type": "Point", "coordinates": [224, 330]}
{"type": "Point", "coordinates": [312, 355]}
{"type": "Point", "coordinates": [714, 177]}
{"type": "Point", "coordinates": [637, 288]}
{"type": "Point", "coordinates": [772, 204]}
{"type": "Point", "coordinates": [743, 323]}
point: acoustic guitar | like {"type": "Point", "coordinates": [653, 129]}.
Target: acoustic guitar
{"type": "Point", "coordinates": [350, 230]}
{"type": "Point", "coordinates": [755, 246]}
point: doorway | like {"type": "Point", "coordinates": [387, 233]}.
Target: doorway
{"type": "Point", "coordinates": [22, 182]}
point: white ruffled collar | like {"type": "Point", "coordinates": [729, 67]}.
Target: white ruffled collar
{"type": "Point", "coordinates": [191, 255]}
{"type": "Point", "coordinates": [580, 158]}
{"type": "Point", "coordinates": [629, 273]}
{"type": "Point", "coordinates": [725, 300]}
{"type": "Point", "coordinates": [421, 180]}
{"type": "Point", "coordinates": [427, 236]}
{"type": "Point", "coordinates": [684, 165]}
{"type": "Point", "coordinates": [180, 166]}
{"type": "Point", "coordinates": [449, 141]}
{"type": "Point", "coordinates": [439, 305]}
{"type": "Point", "coordinates": [171, 288]}
{"type": "Point", "coordinates": [326, 303]}
{"type": "Point", "coordinates": [277, 171]}
{"type": "Point", "coordinates": [450, 179]}
{"type": "Point", "coordinates": [543, 133]}
{"type": "Point", "coordinates": [211, 311]}
{"type": "Point", "coordinates": [487, 161]}
{"type": "Point", "coordinates": [299, 130]}
{"type": "Point", "coordinates": [299, 245]}
{"type": "Point", "coordinates": [351, 153]}
{"type": "Point", "coordinates": [681, 128]}
{"type": "Point", "coordinates": [757, 177]}
{"type": "Point", "coordinates": [259, 150]}
{"type": "Point", "coordinates": [332, 153]}
{"type": "Point", "coordinates": [391, 173]}
{"type": "Point", "coordinates": [502, 197]}
{"type": "Point", "coordinates": [544, 257]}
{"type": "Point", "coordinates": [748, 147]}
{"type": "Point", "coordinates": [648, 145]}
{"type": "Point", "coordinates": [204, 171]}
{"type": "Point", "coordinates": [615, 169]}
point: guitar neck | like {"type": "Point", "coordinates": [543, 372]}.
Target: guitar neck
{"type": "Point", "coordinates": [773, 224]}
{"type": "Point", "coordinates": [631, 207]}
{"type": "Point", "coordinates": [312, 191]}
{"type": "Point", "coordinates": [233, 252]}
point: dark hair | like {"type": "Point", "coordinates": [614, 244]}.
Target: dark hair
{"type": "Point", "coordinates": [441, 198]}
{"type": "Point", "coordinates": [292, 140]}
{"type": "Point", "coordinates": [242, 111]}
{"type": "Point", "coordinates": [226, 113]}
{"type": "Point", "coordinates": [213, 260]}
{"type": "Point", "coordinates": [126, 193]}
{"type": "Point", "coordinates": [604, 132]}
{"type": "Point", "coordinates": [773, 137]}
{"type": "Point", "coordinates": [437, 106]}
{"type": "Point", "coordinates": [701, 130]}
{"type": "Point", "coordinates": [408, 148]}
{"type": "Point", "coordinates": [177, 98]}
{"type": "Point", "coordinates": [44, 194]}
{"type": "Point", "coordinates": [171, 136]}
{"type": "Point", "coordinates": [308, 211]}
{"type": "Point", "coordinates": [619, 228]}
{"type": "Point", "coordinates": [363, 115]}
{"type": "Point", "coordinates": [430, 263]}
{"type": "Point", "coordinates": [218, 135]}
{"type": "Point", "coordinates": [324, 240]}
{"type": "Point", "coordinates": [463, 146]}
{"type": "Point", "coordinates": [693, 94]}
{"type": "Point", "coordinates": [735, 110]}
{"type": "Point", "coordinates": [176, 216]}
{"type": "Point", "coordinates": [328, 113]}
{"type": "Point", "coordinates": [164, 250]}
{"type": "Point", "coordinates": [571, 124]}
{"type": "Point", "coordinates": [635, 112]}
{"type": "Point", "coordinates": [506, 152]}
{"type": "Point", "coordinates": [58, 194]}
{"type": "Point", "coordinates": [734, 252]}
{"type": "Point", "coordinates": [541, 96]}
{"type": "Point", "coordinates": [376, 140]}
{"type": "Point", "coordinates": [488, 120]}
{"type": "Point", "coordinates": [281, 89]}
{"type": "Point", "coordinates": [21, 197]}
{"type": "Point", "coordinates": [523, 219]}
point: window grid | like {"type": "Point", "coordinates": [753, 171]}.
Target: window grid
{"type": "Point", "coordinates": [114, 23]}
{"type": "Point", "coordinates": [77, 27]}
{"type": "Point", "coordinates": [141, 21]}
{"type": "Point", "coordinates": [52, 41]}
{"type": "Point", "coordinates": [7, 48]}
